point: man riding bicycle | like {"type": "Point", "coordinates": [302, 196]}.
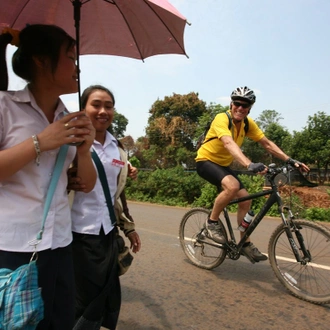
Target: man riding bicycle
{"type": "Point", "coordinates": [220, 147]}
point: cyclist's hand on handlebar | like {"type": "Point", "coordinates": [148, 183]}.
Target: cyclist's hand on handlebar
{"type": "Point", "coordinates": [297, 164]}
{"type": "Point", "coordinates": [293, 162]}
{"type": "Point", "coordinates": [257, 167]}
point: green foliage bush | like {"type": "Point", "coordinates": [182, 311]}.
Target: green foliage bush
{"type": "Point", "coordinates": [253, 184]}
{"type": "Point", "coordinates": [295, 204]}
{"type": "Point", "coordinates": [135, 161]}
{"type": "Point", "coordinates": [207, 196]}
{"type": "Point", "coordinates": [177, 187]}
{"type": "Point", "coordinates": [172, 186]}
{"type": "Point", "coordinates": [318, 214]}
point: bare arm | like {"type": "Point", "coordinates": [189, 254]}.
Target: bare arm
{"type": "Point", "coordinates": [273, 149]}
{"type": "Point", "coordinates": [235, 150]}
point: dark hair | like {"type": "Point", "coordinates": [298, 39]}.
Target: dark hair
{"type": "Point", "coordinates": [39, 40]}
{"type": "Point", "coordinates": [89, 90]}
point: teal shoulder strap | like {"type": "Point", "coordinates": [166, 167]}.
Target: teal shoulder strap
{"type": "Point", "coordinates": [52, 186]}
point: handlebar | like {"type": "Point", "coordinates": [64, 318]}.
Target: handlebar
{"type": "Point", "coordinates": [272, 170]}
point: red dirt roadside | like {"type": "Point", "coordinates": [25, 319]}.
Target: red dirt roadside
{"type": "Point", "coordinates": [310, 196]}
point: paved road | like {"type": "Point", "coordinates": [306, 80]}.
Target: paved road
{"type": "Point", "coordinates": [162, 290]}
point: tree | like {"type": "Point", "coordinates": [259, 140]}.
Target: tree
{"type": "Point", "coordinates": [118, 126]}
{"type": "Point", "coordinates": [142, 145]}
{"type": "Point", "coordinates": [312, 144]}
{"type": "Point", "coordinates": [135, 162]}
{"type": "Point", "coordinates": [171, 126]}
{"type": "Point", "coordinates": [268, 122]}
{"type": "Point", "coordinates": [211, 111]}
{"type": "Point", "coordinates": [129, 145]}
{"type": "Point", "coordinates": [280, 136]}
{"type": "Point", "coordinates": [268, 117]}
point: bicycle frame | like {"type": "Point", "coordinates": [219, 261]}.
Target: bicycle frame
{"type": "Point", "coordinates": [274, 198]}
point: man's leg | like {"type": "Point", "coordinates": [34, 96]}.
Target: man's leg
{"type": "Point", "coordinates": [220, 176]}
{"type": "Point", "coordinates": [230, 187]}
{"type": "Point", "coordinates": [243, 208]}
{"type": "Point", "coordinates": [249, 249]}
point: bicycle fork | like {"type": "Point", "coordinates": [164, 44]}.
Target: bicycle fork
{"type": "Point", "coordinates": [291, 227]}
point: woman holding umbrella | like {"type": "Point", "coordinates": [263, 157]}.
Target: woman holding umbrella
{"type": "Point", "coordinates": [34, 123]}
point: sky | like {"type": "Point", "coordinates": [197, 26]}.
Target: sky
{"type": "Point", "coordinates": [278, 48]}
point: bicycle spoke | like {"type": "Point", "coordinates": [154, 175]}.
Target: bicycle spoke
{"type": "Point", "coordinates": [199, 249]}
{"type": "Point", "coordinates": [309, 281]}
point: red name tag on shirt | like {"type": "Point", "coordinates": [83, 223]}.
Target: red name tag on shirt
{"type": "Point", "coordinates": [118, 163]}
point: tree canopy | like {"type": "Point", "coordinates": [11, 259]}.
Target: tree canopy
{"type": "Point", "coordinates": [268, 117]}
{"type": "Point", "coordinates": [312, 144]}
{"type": "Point", "coordinates": [171, 129]}
{"type": "Point", "coordinates": [176, 121]}
{"type": "Point", "coordinates": [118, 126]}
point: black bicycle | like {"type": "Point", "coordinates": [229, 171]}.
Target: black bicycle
{"type": "Point", "coordinates": [298, 250]}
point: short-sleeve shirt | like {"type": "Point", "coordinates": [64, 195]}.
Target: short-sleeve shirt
{"type": "Point", "coordinates": [89, 210]}
{"type": "Point", "coordinates": [214, 150]}
{"type": "Point", "coordinates": [23, 195]}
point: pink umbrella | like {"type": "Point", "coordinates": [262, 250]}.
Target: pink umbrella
{"type": "Point", "coordinates": [130, 28]}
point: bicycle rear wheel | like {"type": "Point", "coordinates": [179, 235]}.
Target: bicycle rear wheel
{"type": "Point", "coordinates": [200, 250]}
{"type": "Point", "coordinates": [310, 282]}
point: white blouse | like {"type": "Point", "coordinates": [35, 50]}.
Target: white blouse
{"type": "Point", "coordinates": [22, 195]}
{"type": "Point", "coordinates": [89, 210]}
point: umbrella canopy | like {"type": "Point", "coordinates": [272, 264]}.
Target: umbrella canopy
{"type": "Point", "coordinates": [130, 28]}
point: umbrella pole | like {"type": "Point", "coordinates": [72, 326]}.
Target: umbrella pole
{"type": "Point", "coordinates": [76, 15]}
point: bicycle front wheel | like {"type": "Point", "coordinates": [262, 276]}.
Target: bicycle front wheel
{"type": "Point", "coordinates": [200, 250]}
{"type": "Point", "coordinates": [309, 281]}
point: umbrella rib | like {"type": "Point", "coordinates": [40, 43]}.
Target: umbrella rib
{"type": "Point", "coordinates": [83, 2]}
{"type": "Point", "coordinates": [132, 34]}
{"type": "Point", "coordinates": [184, 52]}
{"type": "Point", "coordinates": [23, 7]}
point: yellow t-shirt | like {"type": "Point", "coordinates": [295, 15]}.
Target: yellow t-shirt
{"type": "Point", "coordinates": [214, 150]}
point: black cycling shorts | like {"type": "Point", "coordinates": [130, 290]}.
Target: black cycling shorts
{"type": "Point", "coordinates": [214, 173]}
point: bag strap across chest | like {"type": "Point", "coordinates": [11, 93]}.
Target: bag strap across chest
{"type": "Point", "coordinates": [230, 125]}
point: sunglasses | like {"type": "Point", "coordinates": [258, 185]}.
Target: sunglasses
{"type": "Point", "coordinates": [243, 105]}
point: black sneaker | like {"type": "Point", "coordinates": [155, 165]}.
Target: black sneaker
{"type": "Point", "coordinates": [252, 252]}
{"type": "Point", "coordinates": [214, 231]}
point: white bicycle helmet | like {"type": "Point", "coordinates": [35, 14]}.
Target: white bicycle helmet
{"type": "Point", "coordinates": [243, 94]}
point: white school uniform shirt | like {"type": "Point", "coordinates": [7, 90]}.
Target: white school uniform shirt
{"type": "Point", "coordinates": [89, 210]}
{"type": "Point", "coordinates": [22, 196]}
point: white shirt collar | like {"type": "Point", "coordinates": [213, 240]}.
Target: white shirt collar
{"type": "Point", "coordinates": [25, 96]}
{"type": "Point", "coordinates": [109, 138]}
